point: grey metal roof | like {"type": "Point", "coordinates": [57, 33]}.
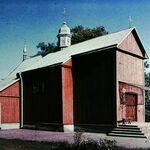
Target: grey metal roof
{"type": "Point", "coordinates": [12, 78]}
{"type": "Point", "coordinates": [83, 47]}
{"type": "Point", "coordinates": [4, 83]}
{"type": "Point", "coordinates": [62, 56]}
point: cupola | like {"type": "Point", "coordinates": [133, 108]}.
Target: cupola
{"type": "Point", "coordinates": [64, 36]}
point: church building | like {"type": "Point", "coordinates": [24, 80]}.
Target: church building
{"type": "Point", "coordinates": [92, 84]}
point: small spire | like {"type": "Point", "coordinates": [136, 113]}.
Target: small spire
{"type": "Point", "coordinates": [130, 22]}
{"type": "Point", "coordinates": [25, 55]}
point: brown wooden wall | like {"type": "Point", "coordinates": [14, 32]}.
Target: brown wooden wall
{"type": "Point", "coordinates": [130, 70]}
{"type": "Point", "coordinates": [9, 100]}
{"type": "Point", "coordinates": [42, 96]}
{"type": "Point", "coordinates": [130, 44]}
{"type": "Point", "coordinates": [94, 88]}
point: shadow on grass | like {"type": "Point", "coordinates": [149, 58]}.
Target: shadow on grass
{"type": "Point", "coordinates": [102, 144]}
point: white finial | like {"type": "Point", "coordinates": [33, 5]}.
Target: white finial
{"type": "Point", "coordinates": [130, 22]}
{"type": "Point", "coordinates": [25, 49]}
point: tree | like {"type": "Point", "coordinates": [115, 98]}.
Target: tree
{"type": "Point", "coordinates": [46, 48]}
{"type": "Point", "coordinates": [79, 34]}
{"type": "Point", "coordinates": [146, 74]}
{"type": "Point", "coordinates": [147, 93]}
{"type": "Point", "coordinates": [147, 81]}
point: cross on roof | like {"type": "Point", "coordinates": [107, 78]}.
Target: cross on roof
{"type": "Point", "coordinates": [64, 14]}
{"type": "Point", "coordinates": [130, 22]}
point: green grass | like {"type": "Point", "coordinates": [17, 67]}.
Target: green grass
{"type": "Point", "coordinates": [84, 145]}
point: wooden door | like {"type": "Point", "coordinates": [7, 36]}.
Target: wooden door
{"type": "Point", "coordinates": [131, 107]}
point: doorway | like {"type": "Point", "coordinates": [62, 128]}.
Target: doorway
{"type": "Point", "coordinates": [131, 106]}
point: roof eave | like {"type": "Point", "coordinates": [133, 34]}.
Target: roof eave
{"type": "Point", "coordinates": [53, 65]}
{"type": "Point", "coordinates": [141, 45]}
{"type": "Point", "coordinates": [95, 50]}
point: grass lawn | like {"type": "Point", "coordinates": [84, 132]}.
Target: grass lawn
{"type": "Point", "coordinates": [6, 144]}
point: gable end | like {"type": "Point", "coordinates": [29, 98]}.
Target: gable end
{"type": "Point", "coordinates": [133, 44]}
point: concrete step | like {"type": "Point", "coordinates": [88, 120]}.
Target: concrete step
{"type": "Point", "coordinates": [127, 131]}
{"type": "Point", "coordinates": [145, 130]}
{"type": "Point", "coordinates": [129, 126]}
{"type": "Point", "coordinates": [127, 135]}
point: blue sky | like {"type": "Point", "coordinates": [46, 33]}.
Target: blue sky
{"type": "Point", "coordinates": [35, 21]}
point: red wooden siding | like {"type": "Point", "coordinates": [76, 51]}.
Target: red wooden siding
{"type": "Point", "coordinates": [67, 93]}
{"type": "Point", "coordinates": [12, 90]}
{"type": "Point", "coordinates": [9, 110]}
{"type": "Point", "coordinates": [130, 45]}
{"type": "Point", "coordinates": [9, 99]}
{"type": "Point", "coordinates": [132, 89]}
{"type": "Point", "coordinates": [130, 69]}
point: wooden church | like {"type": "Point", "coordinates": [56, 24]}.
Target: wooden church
{"type": "Point", "coordinates": [92, 84]}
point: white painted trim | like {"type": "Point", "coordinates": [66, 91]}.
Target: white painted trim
{"type": "Point", "coordinates": [21, 109]}
{"type": "Point", "coordinates": [68, 128]}
{"type": "Point", "coordinates": [5, 126]}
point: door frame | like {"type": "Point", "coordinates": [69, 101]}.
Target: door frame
{"type": "Point", "coordinates": [135, 106]}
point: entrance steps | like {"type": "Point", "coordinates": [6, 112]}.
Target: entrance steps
{"type": "Point", "coordinates": [145, 128]}
{"type": "Point", "coordinates": [134, 130]}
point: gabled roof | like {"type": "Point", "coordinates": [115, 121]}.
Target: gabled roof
{"type": "Point", "coordinates": [98, 43]}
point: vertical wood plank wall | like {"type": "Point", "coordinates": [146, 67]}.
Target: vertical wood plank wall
{"type": "Point", "coordinates": [93, 87]}
{"type": "Point", "coordinates": [42, 96]}
{"type": "Point", "coordinates": [67, 93]}
{"type": "Point", "coordinates": [9, 99]}
{"type": "Point", "coordinates": [130, 45]}
{"type": "Point", "coordinates": [130, 70]}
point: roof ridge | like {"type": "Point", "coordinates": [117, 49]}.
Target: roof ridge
{"type": "Point", "coordinates": [101, 36]}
